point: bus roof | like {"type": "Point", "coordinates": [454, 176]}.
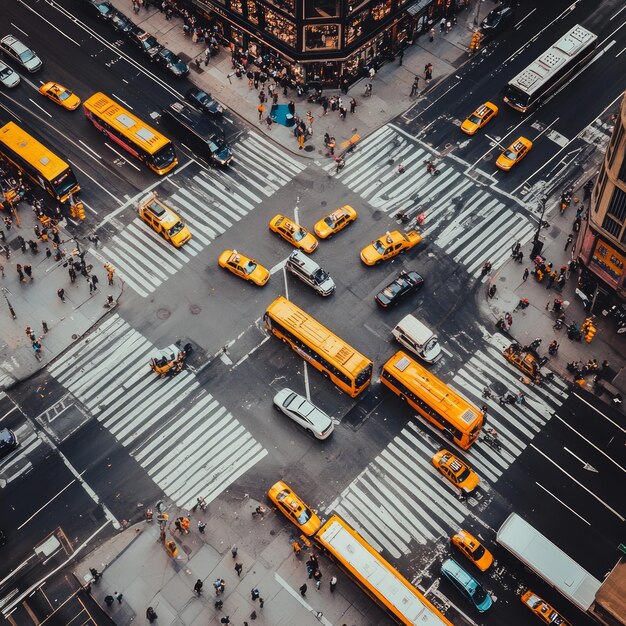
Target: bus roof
{"type": "Point", "coordinates": [49, 165]}
{"type": "Point", "coordinates": [548, 561]}
{"type": "Point", "coordinates": [378, 576]}
{"type": "Point", "coordinates": [311, 329]}
{"type": "Point", "coordinates": [551, 61]}
{"type": "Point", "coordinates": [125, 122]}
{"type": "Point", "coordinates": [438, 394]}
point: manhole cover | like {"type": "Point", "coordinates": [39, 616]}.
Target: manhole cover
{"type": "Point", "coordinates": [309, 148]}
{"type": "Point", "coordinates": [194, 309]}
{"type": "Point", "coordinates": [163, 314]}
{"type": "Point", "coordinates": [377, 215]}
{"type": "Point", "coordinates": [324, 203]}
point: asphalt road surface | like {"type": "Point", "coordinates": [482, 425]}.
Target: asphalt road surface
{"type": "Point", "coordinates": [112, 438]}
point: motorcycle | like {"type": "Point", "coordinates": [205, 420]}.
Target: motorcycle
{"type": "Point", "coordinates": [173, 365]}
{"type": "Point", "coordinates": [573, 332]}
{"type": "Point", "coordinates": [492, 441]}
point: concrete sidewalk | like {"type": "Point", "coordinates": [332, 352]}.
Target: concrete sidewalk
{"type": "Point", "coordinates": [36, 301]}
{"type": "Point", "coordinates": [390, 92]}
{"type": "Point", "coordinates": [136, 564]}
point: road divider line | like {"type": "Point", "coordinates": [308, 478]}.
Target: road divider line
{"type": "Point", "coordinates": [45, 505]}
{"type": "Point", "coordinates": [49, 23]}
{"type": "Point", "coordinates": [40, 108]}
{"type": "Point", "coordinates": [569, 508]}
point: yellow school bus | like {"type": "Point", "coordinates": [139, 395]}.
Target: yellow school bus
{"type": "Point", "coordinates": [128, 131]}
{"type": "Point", "coordinates": [338, 361]}
{"type": "Point", "coordinates": [39, 163]}
{"type": "Point", "coordinates": [459, 420]}
{"type": "Point", "coordinates": [383, 583]}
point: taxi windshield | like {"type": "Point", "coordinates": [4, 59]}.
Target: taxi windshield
{"type": "Point", "coordinates": [175, 229]}
{"type": "Point", "coordinates": [474, 119]}
{"type": "Point", "coordinates": [249, 267]}
{"type": "Point", "coordinates": [478, 552]}
{"type": "Point", "coordinates": [463, 475]}
{"type": "Point", "coordinates": [509, 154]}
{"type": "Point", "coordinates": [304, 516]}
{"type": "Point", "coordinates": [299, 234]}
{"type": "Point", "coordinates": [379, 246]}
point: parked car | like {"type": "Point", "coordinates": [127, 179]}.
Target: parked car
{"type": "Point", "coordinates": [172, 62]}
{"type": "Point", "coordinates": [121, 23]}
{"type": "Point", "coordinates": [304, 413]}
{"type": "Point", "coordinates": [406, 283]}
{"type": "Point", "coordinates": [204, 101]}
{"type": "Point", "coordinates": [8, 442]}
{"type": "Point", "coordinates": [8, 77]}
{"type": "Point", "coordinates": [101, 9]}
{"type": "Point", "coordinates": [146, 42]}
{"type": "Point", "coordinates": [20, 53]}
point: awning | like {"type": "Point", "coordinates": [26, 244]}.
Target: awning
{"type": "Point", "coordinates": [416, 7]}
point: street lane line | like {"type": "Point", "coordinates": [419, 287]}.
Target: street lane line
{"type": "Point", "coordinates": [45, 505]}
{"type": "Point", "coordinates": [49, 23]}
{"type": "Point", "coordinates": [40, 108]}
{"type": "Point", "coordinates": [545, 456]}
{"type": "Point", "coordinates": [25, 33]}
{"type": "Point", "coordinates": [569, 508]}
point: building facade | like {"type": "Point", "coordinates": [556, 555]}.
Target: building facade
{"type": "Point", "coordinates": [601, 246]}
{"type": "Point", "coordinates": [329, 42]}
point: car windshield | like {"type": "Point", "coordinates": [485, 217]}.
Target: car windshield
{"type": "Point", "coordinates": [509, 154]}
{"type": "Point", "coordinates": [5, 71]}
{"type": "Point", "coordinates": [305, 516]}
{"type": "Point", "coordinates": [320, 276]}
{"type": "Point", "coordinates": [479, 552]}
{"type": "Point", "coordinates": [479, 595]}
{"type": "Point", "coordinates": [249, 267]}
{"type": "Point", "coordinates": [379, 246]}
{"type": "Point", "coordinates": [26, 56]}
{"type": "Point", "coordinates": [493, 18]}
{"type": "Point", "coordinates": [175, 229]}
{"type": "Point", "coordinates": [299, 234]}
{"type": "Point", "coordinates": [474, 119]}
{"type": "Point", "coordinates": [463, 475]}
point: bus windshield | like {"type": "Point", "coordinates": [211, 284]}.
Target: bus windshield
{"type": "Point", "coordinates": [164, 156]}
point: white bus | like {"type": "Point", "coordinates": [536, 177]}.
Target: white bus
{"type": "Point", "coordinates": [548, 561]}
{"type": "Point", "coordinates": [548, 72]}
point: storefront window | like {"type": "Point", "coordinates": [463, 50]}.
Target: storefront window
{"type": "Point", "coordinates": [280, 27]}
{"type": "Point", "coordinates": [252, 14]}
{"type": "Point", "coordinates": [236, 6]}
{"type": "Point", "coordinates": [321, 37]}
{"type": "Point", "coordinates": [321, 8]}
{"type": "Point", "coordinates": [381, 10]}
{"type": "Point", "coordinates": [288, 6]}
{"type": "Point", "coordinates": [237, 36]}
{"type": "Point", "coordinates": [356, 26]}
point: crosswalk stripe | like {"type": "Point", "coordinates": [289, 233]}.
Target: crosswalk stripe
{"type": "Point", "coordinates": [215, 220]}
{"type": "Point", "coordinates": [264, 147]}
{"type": "Point", "coordinates": [187, 452]}
{"type": "Point", "coordinates": [220, 197]}
{"type": "Point", "coordinates": [195, 218]}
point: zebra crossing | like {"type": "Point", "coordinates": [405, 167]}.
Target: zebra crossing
{"type": "Point", "coordinates": [187, 442]}
{"type": "Point", "coordinates": [210, 203]}
{"type": "Point", "coordinates": [468, 222]}
{"type": "Point", "coordinates": [400, 500]}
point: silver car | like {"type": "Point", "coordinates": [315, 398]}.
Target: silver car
{"type": "Point", "coordinates": [301, 411]}
{"type": "Point", "coordinates": [8, 77]}
{"type": "Point", "coordinates": [20, 53]}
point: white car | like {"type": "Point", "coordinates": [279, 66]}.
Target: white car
{"type": "Point", "coordinates": [20, 53]}
{"type": "Point", "coordinates": [8, 77]}
{"type": "Point", "coordinates": [301, 411]}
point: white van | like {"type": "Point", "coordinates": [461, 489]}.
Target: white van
{"type": "Point", "coordinates": [417, 338]}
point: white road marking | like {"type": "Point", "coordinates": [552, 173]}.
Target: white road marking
{"type": "Point", "coordinates": [569, 508]}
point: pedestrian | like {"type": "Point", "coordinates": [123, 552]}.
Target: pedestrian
{"type": "Point", "coordinates": [48, 251]}
{"type": "Point", "coordinates": [401, 56]}
{"type": "Point", "coordinates": [442, 25]}
{"type": "Point", "coordinates": [22, 242]}
{"type": "Point", "coordinates": [257, 75]}
{"type": "Point", "coordinates": [94, 283]}
{"type": "Point", "coordinates": [432, 35]}
{"type": "Point", "coordinates": [551, 279]}
{"type": "Point", "coordinates": [317, 575]}
{"type": "Point", "coordinates": [515, 249]}
{"type": "Point", "coordinates": [262, 95]}
{"type": "Point", "coordinates": [218, 604]}
{"type": "Point", "coordinates": [414, 88]}
{"type": "Point", "coordinates": [333, 583]}
{"type": "Point", "coordinates": [151, 614]}
{"type": "Point", "coordinates": [275, 97]}
{"type": "Point", "coordinates": [108, 600]}
{"type": "Point", "coordinates": [269, 121]}
{"type": "Point", "coordinates": [525, 275]}
{"type": "Point", "coordinates": [353, 105]}
{"type": "Point", "coordinates": [303, 589]}
{"type": "Point", "coordinates": [201, 526]}
{"type": "Point", "coordinates": [253, 615]}
{"type": "Point", "coordinates": [2, 270]}
{"type": "Point", "coordinates": [179, 528]}
{"type": "Point", "coordinates": [234, 550]}
{"type": "Point", "coordinates": [28, 270]}
{"type": "Point", "coordinates": [20, 272]}
{"type": "Point", "coordinates": [521, 398]}
{"type": "Point", "coordinates": [95, 240]}
{"type": "Point", "coordinates": [254, 593]}
{"type": "Point", "coordinates": [95, 574]}
{"type": "Point", "coordinates": [198, 586]}
{"type": "Point", "coordinates": [238, 568]}
{"type": "Point", "coordinates": [44, 326]}
{"type": "Point", "coordinates": [225, 620]}
{"type": "Point", "coordinates": [222, 585]}
{"type": "Point", "coordinates": [261, 602]}
{"type": "Point", "coordinates": [118, 596]}
{"type": "Point", "coordinates": [8, 222]}
{"type": "Point", "coordinates": [342, 113]}
{"type": "Point", "coordinates": [207, 56]}
{"type": "Point", "coordinates": [509, 319]}
{"type": "Point", "coordinates": [372, 72]}
{"type": "Point", "coordinates": [261, 110]}
{"type": "Point", "coordinates": [3, 237]}
{"type": "Point", "coordinates": [300, 140]}
{"type": "Point", "coordinates": [30, 333]}
{"type": "Point", "coordinates": [570, 238]}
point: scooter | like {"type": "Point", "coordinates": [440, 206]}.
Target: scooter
{"type": "Point", "coordinates": [172, 365]}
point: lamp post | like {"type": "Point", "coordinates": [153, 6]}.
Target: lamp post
{"type": "Point", "coordinates": [538, 245]}
{"type": "Point", "coordinates": [5, 291]}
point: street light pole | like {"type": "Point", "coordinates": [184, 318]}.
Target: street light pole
{"type": "Point", "coordinates": [538, 245]}
{"type": "Point", "coordinates": [11, 311]}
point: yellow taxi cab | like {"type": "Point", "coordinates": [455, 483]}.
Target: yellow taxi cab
{"type": "Point", "coordinates": [473, 550]}
{"type": "Point", "coordinates": [389, 245]}
{"type": "Point", "coordinates": [163, 220]}
{"type": "Point", "coordinates": [542, 609]}
{"type": "Point", "coordinates": [294, 509]}
{"type": "Point", "coordinates": [244, 267]}
{"type": "Point", "coordinates": [514, 153]}
{"type": "Point", "coordinates": [60, 95]}
{"type": "Point", "coordinates": [479, 118]}
{"type": "Point", "coordinates": [455, 470]}
{"type": "Point", "coordinates": [335, 221]}
{"type": "Point", "coordinates": [295, 234]}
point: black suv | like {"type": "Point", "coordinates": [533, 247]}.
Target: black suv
{"type": "Point", "coordinates": [172, 62]}
{"type": "Point", "coordinates": [121, 23]}
{"type": "Point", "coordinates": [204, 101]}
{"type": "Point", "coordinates": [101, 8]}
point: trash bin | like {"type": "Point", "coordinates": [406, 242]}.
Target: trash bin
{"type": "Point", "coordinates": [289, 121]}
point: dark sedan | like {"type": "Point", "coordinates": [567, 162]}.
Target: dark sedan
{"type": "Point", "coordinates": [172, 62]}
{"type": "Point", "coordinates": [204, 101]}
{"type": "Point", "coordinates": [406, 283]}
{"type": "Point", "coordinates": [146, 42]}
{"type": "Point", "coordinates": [121, 23]}
{"type": "Point", "coordinates": [498, 19]}
{"type": "Point", "coordinates": [102, 9]}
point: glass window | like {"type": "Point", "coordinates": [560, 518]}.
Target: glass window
{"type": "Point", "coordinates": [252, 12]}
{"type": "Point", "coordinates": [236, 6]}
{"type": "Point", "coordinates": [356, 26]}
{"type": "Point", "coordinates": [381, 10]}
{"type": "Point", "coordinates": [321, 8]}
{"type": "Point", "coordinates": [280, 27]}
{"type": "Point", "coordinates": [288, 6]}
{"type": "Point", "coordinates": [324, 37]}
